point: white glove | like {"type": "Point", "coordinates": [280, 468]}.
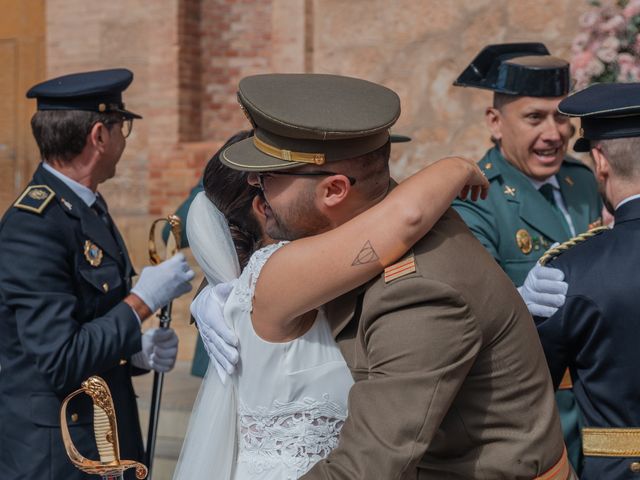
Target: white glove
{"type": "Point", "coordinates": [159, 350]}
{"type": "Point", "coordinates": [220, 342]}
{"type": "Point", "coordinates": [544, 291]}
{"type": "Point", "coordinates": [160, 284]}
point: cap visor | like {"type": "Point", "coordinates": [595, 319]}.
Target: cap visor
{"type": "Point", "coordinates": [244, 156]}
{"type": "Point", "coordinates": [396, 138]}
{"type": "Point", "coordinates": [128, 114]}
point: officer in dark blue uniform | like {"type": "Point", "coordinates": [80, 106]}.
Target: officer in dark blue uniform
{"type": "Point", "coordinates": [67, 309]}
{"type": "Point", "coordinates": [596, 334]}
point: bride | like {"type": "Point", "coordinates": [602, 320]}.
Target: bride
{"type": "Point", "coordinates": [284, 406]}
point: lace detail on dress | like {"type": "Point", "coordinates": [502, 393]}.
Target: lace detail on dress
{"type": "Point", "coordinates": [247, 282]}
{"type": "Point", "coordinates": [294, 435]}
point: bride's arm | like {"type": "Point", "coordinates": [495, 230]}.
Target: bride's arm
{"type": "Point", "coordinates": [309, 272]}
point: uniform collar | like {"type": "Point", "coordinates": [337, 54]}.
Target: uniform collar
{"type": "Point", "coordinates": [628, 199]}
{"type": "Point", "coordinates": [628, 209]}
{"type": "Point", "coordinates": [85, 193]}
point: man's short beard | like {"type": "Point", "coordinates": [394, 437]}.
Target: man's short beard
{"type": "Point", "coordinates": [302, 219]}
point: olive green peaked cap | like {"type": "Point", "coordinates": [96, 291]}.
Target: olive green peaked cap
{"type": "Point", "coordinates": [302, 119]}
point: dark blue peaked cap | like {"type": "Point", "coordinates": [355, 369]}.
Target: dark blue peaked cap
{"type": "Point", "coordinates": [99, 91]}
{"type": "Point", "coordinates": [606, 111]}
{"type": "Point", "coordinates": [524, 69]}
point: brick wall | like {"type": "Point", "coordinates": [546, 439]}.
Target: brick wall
{"type": "Point", "coordinates": [188, 56]}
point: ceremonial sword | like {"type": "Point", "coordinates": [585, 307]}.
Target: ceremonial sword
{"type": "Point", "coordinates": [105, 429]}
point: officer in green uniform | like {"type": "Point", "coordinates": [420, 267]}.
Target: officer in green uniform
{"type": "Point", "coordinates": [538, 195]}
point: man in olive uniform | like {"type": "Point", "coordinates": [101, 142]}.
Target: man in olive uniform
{"type": "Point", "coordinates": [448, 383]}
{"type": "Point", "coordinates": [67, 309]}
{"type": "Point", "coordinates": [596, 332]}
{"type": "Point", "coordinates": [538, 195]}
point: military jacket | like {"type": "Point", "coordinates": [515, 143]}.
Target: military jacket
{"type": "Point", "coordinates": [449, 383]}
{"type": "Point", "coordinates": [517, 224]}
{"type": "Point", "coordinates": [63, 276]}
{"type": "Point", "coordinates": [597, 331]}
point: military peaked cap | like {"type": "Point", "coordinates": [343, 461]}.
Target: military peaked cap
{"type": "Point", "coordinates": [99, 91]}
{"type": "Point", "coordinates": [606, 111]}
{"type": "Point", "coordinates": [302, 119]}
{"type": "Point", "coordinates": [524, 69]}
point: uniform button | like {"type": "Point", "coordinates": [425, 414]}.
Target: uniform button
{"type": "Point", "coordinates": [105, 287]}
{"type": "Point", "coordinates": [74, 417]}
{"type": "Point", "coordinates": [635, 467]}
{"type": "Point", "coordinates": [123, 362]}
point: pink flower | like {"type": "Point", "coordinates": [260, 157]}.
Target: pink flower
{"type": "Point", "coordinates": [595, 68]}
{"type": "Point", "coordinates": [581, 60]}
{"type": "Point", "coordinates": [608, 51]}
{"type": "Point", "coordinates": [632, 9]}
{"type": "Point", "coordinates": [626, 59]}
{"type": "Point", "coordinates": [588, 19]}
{"type": "Point", "coordinates": [615, 24]}
{"type": "Point", "coordinates": [580, 42]}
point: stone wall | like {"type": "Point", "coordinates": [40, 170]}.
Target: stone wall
{"type": "Point", "coordinates": [188, 56]}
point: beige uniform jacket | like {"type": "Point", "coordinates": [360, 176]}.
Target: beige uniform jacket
{"type": "Point", "coordinates": [451, 379]}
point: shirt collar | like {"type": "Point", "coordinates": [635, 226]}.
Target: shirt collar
{"type": "Point", "coordinates": [85, 193]}
{"type": "Point", "coordinates": [552, 180]}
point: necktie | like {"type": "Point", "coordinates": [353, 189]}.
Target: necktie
{"type": "Point", "coordinates": [100, 207]}
{"type": "Point", "coordinates": [547, 192]}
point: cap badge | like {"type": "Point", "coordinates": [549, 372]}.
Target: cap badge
{"type": "Point", "coordinates": [523, 240]}
{"type": "Point", "coordinates": [509, 190]}
{"type": "Point", "coordinates": [92, 253]}
{"type": "Point", "coordinates": [102, 107]}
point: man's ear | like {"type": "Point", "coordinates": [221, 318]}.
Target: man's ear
{"type": "Point", "coordinates": [334, 190]}
{"type": "Point", "coordinates": [98, 136]}
{"type": "Point", "coordinates": [603, 169]}
{"type": "Point", "coordinates": [493, 120]}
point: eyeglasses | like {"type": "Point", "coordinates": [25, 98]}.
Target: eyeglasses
{"type": "Point", "coordinates": [319, 173]}
{"type": "Point", "coordinates": [126, 125]}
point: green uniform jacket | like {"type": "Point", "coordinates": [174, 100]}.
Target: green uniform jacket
{"type": "Point", "coordinates": [517, 224]}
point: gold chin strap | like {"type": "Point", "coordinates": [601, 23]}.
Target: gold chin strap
{"type": "Point", "coordinates": [105, 430]}
{"type": "Point", "coordinates": [288, 155]}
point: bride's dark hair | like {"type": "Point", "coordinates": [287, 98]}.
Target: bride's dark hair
{"type": "Point", "coordinates": [232, 195]}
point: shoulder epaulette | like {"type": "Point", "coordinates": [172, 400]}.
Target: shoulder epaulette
{"type": "Point", "coordinates": [399, 269]}
{"type": "Point", "coordinates": [35, 198]}
{"type": "Point", "coordinates": [563, 247]}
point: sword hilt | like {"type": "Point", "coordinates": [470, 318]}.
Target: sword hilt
{"type": "Point", "coordinates": [105, 431]}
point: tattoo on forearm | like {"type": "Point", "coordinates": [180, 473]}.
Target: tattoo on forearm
{"type": "Point", "coordinates": [366, 255]}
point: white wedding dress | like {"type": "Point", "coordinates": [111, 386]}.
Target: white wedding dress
{"type": "Point", "coordinates": [283, 408]}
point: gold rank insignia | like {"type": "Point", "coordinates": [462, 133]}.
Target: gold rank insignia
{"type": "Point", "coordinates": [569, 180]}
{"type": "Point", "coordinates": [509, 190]}
{"type": "Point", "coordinates": [92, 253]}
{"type": "Point", "coordinates": [399, 269]}
{"type": "Point", "coordinates": [35, 198]}
{"type": "Point", "coordinates": [523, 240]}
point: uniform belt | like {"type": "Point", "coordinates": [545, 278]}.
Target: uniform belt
{"type": "Point", "coordinates": [560, 471]}
{"type": "Point", "coordinates": [611, 442]}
